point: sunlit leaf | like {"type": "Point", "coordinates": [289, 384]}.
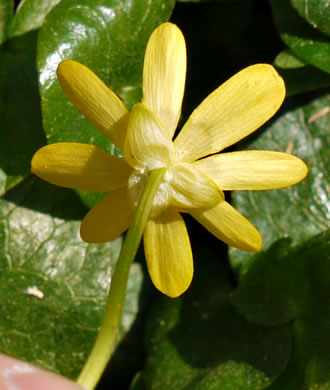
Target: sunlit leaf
{"type": "Point", "coordinates": [29, 15]}
{"type": "Point", "coordinates": [298, 76]}
{"type": "Point", "coordinates": [287, 60]}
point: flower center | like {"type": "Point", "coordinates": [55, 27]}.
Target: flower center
{"type": "Point", "coordinates": [136, 185]}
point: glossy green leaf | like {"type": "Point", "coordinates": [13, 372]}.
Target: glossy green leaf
{"type": "Point", "coordinates": [30, 15]}
{"type": "Point", "coordinates": [286, 285]}
{"type": "Point", "coordinates": [287, 60]}
{"type": "Point", "coordinates": [300, 211]}
{"type": "Point", "coordinates": [315, 12]}
{"type": "Point", "coordinates": [108, 36]}
{"type": "Point", "coordinates": [304, 79]}
{"type": "Point", "coordinates": [200, 342]}
{"type": "Point", "coordinates": [298, 76]}
{"type": "Point", "coordinates": [53, 286]}
{"type": "Point", "coordinates": [6, 12]}
{"type": "Point", "coordinates": [21, 131]}
{"type": "Point", "coordinates": [305, 41]}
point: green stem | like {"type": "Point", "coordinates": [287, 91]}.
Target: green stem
{"type": "Point", "coordinates": [107, 337]}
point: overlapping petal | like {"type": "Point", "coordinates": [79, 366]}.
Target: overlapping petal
{"type": "Point", "coordinates": [168, 253]}
{"type": "Point", "coordinates": [94, 99]}
{"type": "Point", "coordinates": [80, 166]}
{"type": "Point", "coordinates": [191, 188]}
{"type": "Point", "coordinates": [253, 170]}
{"type": "Point", "coordinates": [164, 74]}
{"type": "Point", "coordinates": [230, 226]}
{"type": "Point", "coordinates": [147, 142]}
{"type": "Point", "coordinates": [108, 219]}
{"type": "Point", "coordinates": [231, 112]}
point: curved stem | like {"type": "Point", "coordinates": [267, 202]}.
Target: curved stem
{"type": "Point", "coordinates": [107, 337]}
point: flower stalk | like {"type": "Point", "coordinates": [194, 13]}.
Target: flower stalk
{"type": "Point", "coordinates": [108, 334]}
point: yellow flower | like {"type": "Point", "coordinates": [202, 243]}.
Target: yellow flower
{"type": "Point", "coordinates": [193, 181]}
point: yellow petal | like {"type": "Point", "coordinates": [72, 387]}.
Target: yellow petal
{"type": "Point", "coordinates": [230, 226]}
{"type": "Point", "coordinates": [191, 188]}
{"type": "Point", "coordinates": [147, 143]}
{"type": "Point", "coordinates": [231, 112]}
{"type": "Point", "coordinates": [108, 219]}
{"type": "Point", "coordinates": [168, 253]}
{"type": "Point", "coordinates": [164, 74]}
{"type": "Point", "coordinates": [253, 170]}
{"type": "Point", "coordinates": [80, 166]}
{"type": "Point", "coordinates": [94, 99]}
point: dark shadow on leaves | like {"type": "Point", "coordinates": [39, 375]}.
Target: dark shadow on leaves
{"type": "Point", "coordinates": [37, 195]}
{"type": "Point", "coordinates": [21, 123]}
{"type": "Point", "coordinates": [210, 333]}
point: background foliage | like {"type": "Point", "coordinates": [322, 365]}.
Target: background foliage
{"type": "Point", "coordinates": [248, 321]}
